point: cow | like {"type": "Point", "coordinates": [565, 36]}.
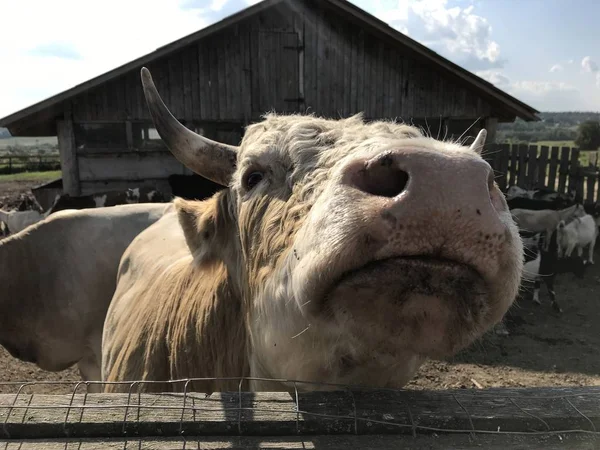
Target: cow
{"type": "Point", "coordinates": [541, 265]}
{"type": "Point", "coordinates": [551, 195]}
{"type": "Point", "coordinates": [144, 194]}
{"type": "Point", "coordinates": [340, 251]}
{"type": "Point", "coordinates": [110, 198]}
{"type": "Point", "coordinates": [538, 199]}
{"type": "Point", "coordinates": [58, 277]}
{"type": "Point", "coordinates": [535, 204]}
{"type": "Point", "coordinates": [544, 220]}
{"type": "Point", "coordinates": [579, 233]}
{"type": "Point", "coordinates": [518, 192]}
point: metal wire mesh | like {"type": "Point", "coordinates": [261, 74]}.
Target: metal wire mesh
{"type": "Point", "coordinates": [305, 409]}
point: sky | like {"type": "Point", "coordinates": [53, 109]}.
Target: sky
{"type": "Point", "coordinates": [544, 52]}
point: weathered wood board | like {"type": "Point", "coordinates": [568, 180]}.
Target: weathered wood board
{"type": "Point", "coordinates": [544, 411]}
{"type": "Point", "coordinates": [373, 442]}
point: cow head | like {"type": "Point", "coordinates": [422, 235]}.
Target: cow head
{"type": "Point", "coordinates": [359, 248]}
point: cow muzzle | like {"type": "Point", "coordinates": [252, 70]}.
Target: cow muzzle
{"type": "Point", "coordinates": [412, 246]}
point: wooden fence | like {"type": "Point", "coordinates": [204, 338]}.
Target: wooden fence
{"type": "Point", "coordinates": [28, 163]}
{"type": "Point", "coordinates": [532, 166]}
{"type": "Point", "coordinates": [496, 418]}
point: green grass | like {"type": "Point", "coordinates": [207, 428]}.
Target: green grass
{"type": "Point", "coordinates": [27, 141]}
{"type": "Point", "coordinates": [31, 176]}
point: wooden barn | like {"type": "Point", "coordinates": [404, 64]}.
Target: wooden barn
{"type": "Point", "coordinates": [323, 56]}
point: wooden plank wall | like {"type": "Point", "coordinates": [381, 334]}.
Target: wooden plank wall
{"type": "Point", "coordinates": [531, 167]}
{"type": "Point", "coordinates": [242, 72]}
{"type": "Point", "coordinates": [286, 58]}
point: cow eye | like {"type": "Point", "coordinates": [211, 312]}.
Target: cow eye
{"type": "Point", "coordinates": [252, 179]}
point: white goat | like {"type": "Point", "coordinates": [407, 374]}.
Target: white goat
{"type": "Point", "coordinates": [19, 220]}
{"type": "Point", "coordinates": [579, 233]}
{"type": "Point", "coordinates": [545, 219]}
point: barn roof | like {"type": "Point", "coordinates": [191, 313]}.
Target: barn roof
{"type": "Point", "coordinates": [478, 84]}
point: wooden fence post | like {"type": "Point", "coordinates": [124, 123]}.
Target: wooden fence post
{"type": "Point", "coordinates": [522, 170]}
{"type": "Point", "coordinates": [514, 153]}
{"type": "Point", "coordinates": [573, 173]}
{"type": "Point", "coordinates": [504, 152]}
{"type": "Point", "coordinates": [563, 170]}
{"type": "Point", "coordinates": [68, 157]}
{"type": "Point", "coordinates": [532, 175]}
{"type": "Point", "coordinates": [591, 187]}
{"type": "Point", "coordinates": [542, 166]}
{"type": "Point", "coordinates": [552, 171]}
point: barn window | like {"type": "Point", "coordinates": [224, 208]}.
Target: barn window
{"type": "Point", "coordinates": [145, 137]}
{"type": "Point", "coordinates": [90, 135]}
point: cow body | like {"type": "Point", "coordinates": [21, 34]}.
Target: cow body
{"type": "Point", "coordinates": [518, 192]}
{"type": "Point", "coordinates": [340, 251]}
{"type": "Point", "coordinates": [538, 199]}
{"type": "Point", "coordinates": [534, 204]}
{"type": "Point", "coordinates": [55, 319]}
{"type": "Point", "coordinates": [152, 318]}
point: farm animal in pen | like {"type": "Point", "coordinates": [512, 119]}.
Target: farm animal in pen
{"type": "Point", "coordinates": [342, 251]}
{"type": "Point", "coordinates": [58, 277]}
{"type": "Point", "coordinates": [578, 234]}
{"type": "Point", "coordinates": [111, 198]}
{"type": "Point", "coordinates": [543, 266]}
{"type": "Point", "coordinates": [543, 194]}
{"type": "Point", "coordinates": [19, 220]}
{"type": "Point", "coordinates": [544, 220]}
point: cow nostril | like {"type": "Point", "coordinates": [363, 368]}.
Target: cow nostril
{"type": "Point", "coordinates": [382, 178]}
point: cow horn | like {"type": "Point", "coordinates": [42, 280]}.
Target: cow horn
{"type": "Point", "coordinates": [208, 158]}
{"type": "Point", "coordinates": [477, 145]}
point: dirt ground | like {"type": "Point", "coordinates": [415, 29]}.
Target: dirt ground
{"type": "Point", "coordinates": [543, 348]}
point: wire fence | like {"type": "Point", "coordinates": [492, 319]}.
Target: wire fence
{"type": "Point", "coordinates": [301, 409]}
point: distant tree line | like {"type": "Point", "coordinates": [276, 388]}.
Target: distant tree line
{"type": "Point", "coordinates": [554, 126]}
{"type": "Point", "coordinates": [588, 135]}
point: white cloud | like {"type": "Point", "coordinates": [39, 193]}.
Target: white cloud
{"type": "Point", "coordinates": [598, 79]}
{"type": "Point", "coordinates": [494, 76]}
{"type": "Point", "coordinates": [556, 68]}
{"type": "Point", "coordinates": [541, 87]}
{"type": "Point", "coordinates": [550, 95]}
{"type": "Point", "coordinates": [102, 38]}
{"type": "Point", "coordinates": [457, 33]}
{"type": "Point", "coordinates": [589, 65]}
{"type": "Point", "coordinates": [542, 95]}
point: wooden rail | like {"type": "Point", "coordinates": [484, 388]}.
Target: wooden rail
{"type": "Point", "coordinates": [492, 418]}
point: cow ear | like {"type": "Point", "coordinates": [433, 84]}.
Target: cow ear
{"type": "Point", "coordinates": [202, 224]}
